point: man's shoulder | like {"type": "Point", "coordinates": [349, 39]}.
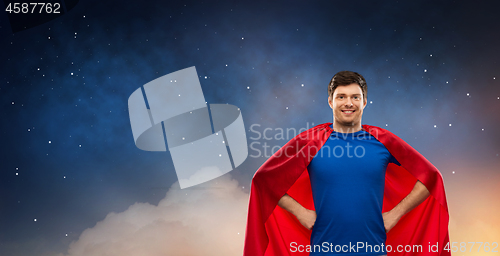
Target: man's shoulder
{"type": "Point", "coordinates": [378, 132]}
{"type": "Point", "coordinates": [320, 128]}
{"type": "Point", "coordinates": [369, 128]}
{"type": "Point", "coordinates": [324, 129]}
{"type": "Point", "coordinates": [318, 132]}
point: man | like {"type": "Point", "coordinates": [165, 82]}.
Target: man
{"type": "Point", "coordinates": [339, 196]}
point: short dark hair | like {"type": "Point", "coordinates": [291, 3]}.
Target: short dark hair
{"type": "Point", "coordinates": [347, 78]}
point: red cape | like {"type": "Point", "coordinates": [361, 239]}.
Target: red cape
{"type": "Point", "coordinates": [271, 229]}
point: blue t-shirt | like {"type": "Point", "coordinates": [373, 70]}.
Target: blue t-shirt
{"type": "Point", "coordinates": [347, 180]}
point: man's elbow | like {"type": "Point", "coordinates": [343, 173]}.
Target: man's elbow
{"type": "Point", "coordinates": [422, 190]}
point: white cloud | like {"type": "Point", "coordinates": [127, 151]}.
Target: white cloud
{"type": "Point", "coordinates": [201, 220]}
{"type": "Point", "coordinates": [200, 176]}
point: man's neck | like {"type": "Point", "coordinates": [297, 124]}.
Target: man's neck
{"type": "Point", "coordinates": [346, 128]}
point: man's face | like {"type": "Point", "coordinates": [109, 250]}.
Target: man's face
{"type": "Point", "coordinates": [347, 104]}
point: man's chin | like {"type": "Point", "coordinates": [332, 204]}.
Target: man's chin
{"type": "Point", "coordinates": [349, 123]}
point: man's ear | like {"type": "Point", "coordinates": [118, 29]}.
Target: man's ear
{"type": "Point", "coordinates": [364, 104]}
{"type": "Point", "coordinates": [330, 99]}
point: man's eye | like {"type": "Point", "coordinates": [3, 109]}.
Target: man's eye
{"type": "Point", "coordinates": [356, 97]}
{"type": "Point", "coordinates": [341, 97]}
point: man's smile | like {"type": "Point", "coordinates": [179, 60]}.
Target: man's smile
{"type": "Point", "coordinates": [348, 111]}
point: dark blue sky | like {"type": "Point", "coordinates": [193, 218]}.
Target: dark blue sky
{"type": "Point", "coordinates": [68, 155]}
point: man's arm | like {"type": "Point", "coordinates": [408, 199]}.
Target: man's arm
{"type": "Point", "coordinates": [417, 195]}
{"type": "Point", "coordinates": [305, 216]}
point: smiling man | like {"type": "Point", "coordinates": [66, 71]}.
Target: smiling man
{"type": "Point", "coordinates": [341, 188]}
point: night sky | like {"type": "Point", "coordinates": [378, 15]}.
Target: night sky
{"type": "Point", "coordinates": [72, 181]}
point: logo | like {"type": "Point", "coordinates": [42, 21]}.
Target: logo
{"type": "Point", "coordinates": [205, 141]}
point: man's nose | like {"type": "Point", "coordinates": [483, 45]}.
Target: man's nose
{"type": "Point", "coordinates": [349, 102]}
